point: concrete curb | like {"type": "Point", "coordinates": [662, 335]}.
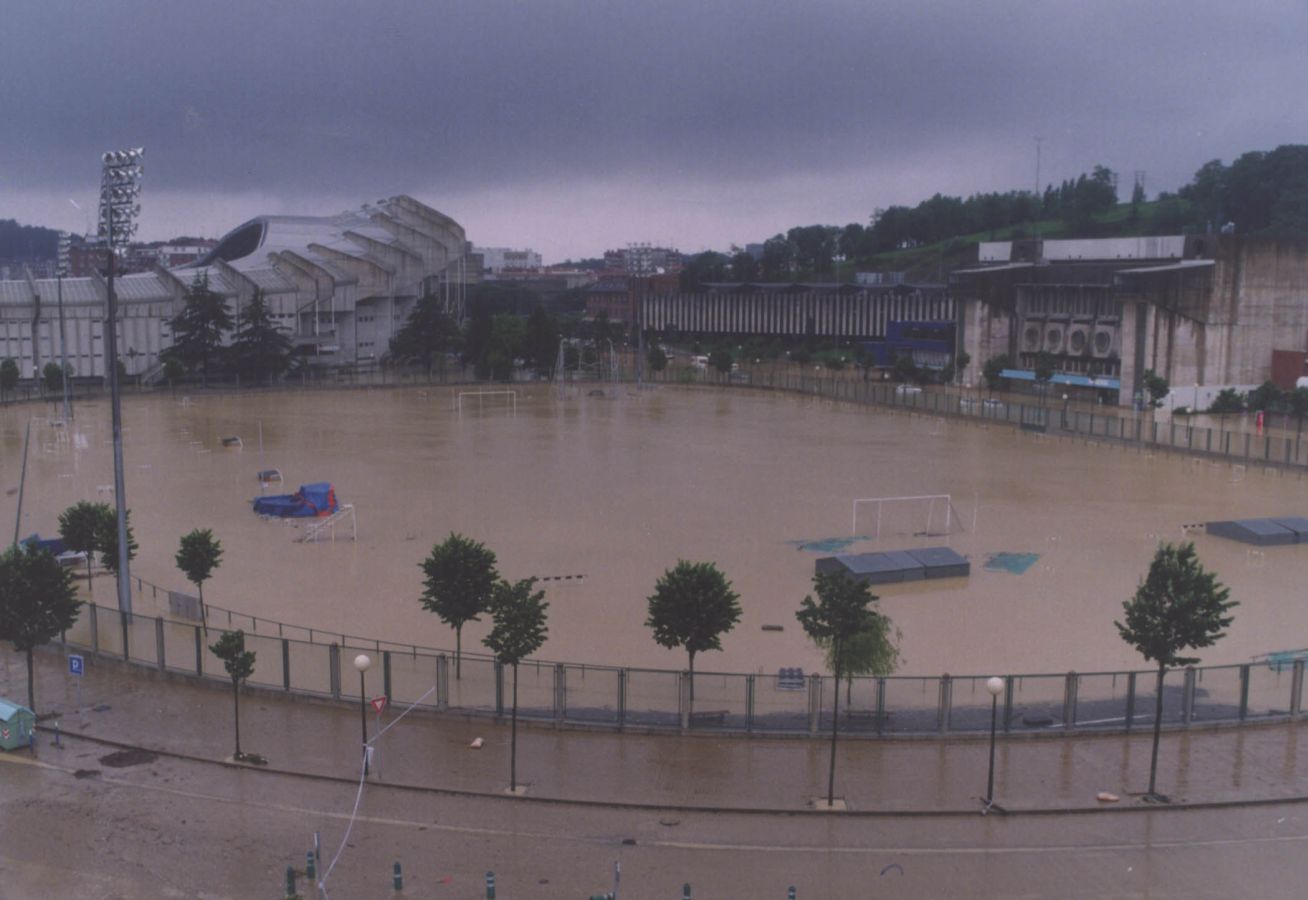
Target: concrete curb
{"type": "Point", "coordinates": [1005, 811]}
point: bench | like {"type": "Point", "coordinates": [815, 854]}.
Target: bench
{"type": "Point", "coordinates": [708, 717]}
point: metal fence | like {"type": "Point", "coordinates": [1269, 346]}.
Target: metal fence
{"type": "Point", "coordinates": [1283, 449]}
{"type": "Point", "coordinates": [318, 664]}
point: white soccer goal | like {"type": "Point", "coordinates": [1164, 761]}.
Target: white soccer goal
{"type": "Point", "coordinates": [926, 514]}
{"type": "Point", "coordinates": [502, 398]}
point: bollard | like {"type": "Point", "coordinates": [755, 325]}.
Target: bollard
{"type": "Point", "coordinates": [310, 871]}
{"type": "Point", "coordinates": [397, 879]}
{"type": "Point", "coordinates": [790, 893]}
{"type": "Point", "coordinates": [290, 882]}
{"type": "Point", "coordinates": [685, 892]}
{"type": "Point", "coordinates": [56, 732]}
{"type": "Point", "coordinates": [490, 886]}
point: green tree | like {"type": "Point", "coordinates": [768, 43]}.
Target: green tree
{"type": "Point", "coordinates": [518, 630]}
{"type": "Point", "coordinates": [992, 369]}
{"type": "Point", "coordinates": [721, 361]}
{"type": "Point", "coordinates": [428, 334]}
{"type": "Point", "coordinates": [79, 526]}
{"type": "Point", "coordinates": [8, 376]}
{"type": "Point", "coordinates": [460, 580]}
{"type": "Point", "coordinates": [508, 334]}
{"type": "Point", "coordinates": [199, 328]}
{"type": "Point", "coordinates": [197, 556]}
{"type": "Point", "coordinates": [52, 378]}
{"type": "Point", "coordinates": [744, 267]}
{"type": "Point", "coordinates": [839, 615]}
{"type": "Point", "coordinates": [106, 537]}
{"type": "Point", "coordinates": [1297, 401]}
{"type": "Point", "coordinates": [1228, 400]}
{"type": "Point", "coordinates": [1179, 606]}
{"type": "Point", "coordinates": [37, 603]}
{"type": "Point", "coordinates": [656, 359]}
{"type": "Point", "coordinates": [540, 345]}
{"type": "Point", "coordinates": [1266, 397]}
{"type": "Point", "coordinates": [962, 359]}
{"type": "Point", "coordinates": [1155, 386]}
{"type": "Point", "coordinates": [873, 651]}
{"type": "Point", "coordinates": [260, 348]}
{"type": "Point", "coordinates": [692, 606]}
{"type": "Point", "coordinates": [239, 663]}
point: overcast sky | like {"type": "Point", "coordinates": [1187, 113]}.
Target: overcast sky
{"type": "Point", "coordinates": [572, 127]}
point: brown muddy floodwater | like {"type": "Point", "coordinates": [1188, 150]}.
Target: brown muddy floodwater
{"type": "Point", "coordinates": [616, 489]}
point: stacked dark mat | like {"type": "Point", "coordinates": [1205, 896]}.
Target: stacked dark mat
{"type": "Point", "coordinates": [892, 566]}
{"type": "Point", "coordinates": [1263, 532]}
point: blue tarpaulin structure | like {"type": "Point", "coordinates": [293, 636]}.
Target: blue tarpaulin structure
{"type": "Point", "coordinates": [311, 500]}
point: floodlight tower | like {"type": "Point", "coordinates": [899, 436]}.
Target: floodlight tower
{"type": "Point", "coordinates": [120, 187]}
{"type": "Point", "coordinates": [61, 269]}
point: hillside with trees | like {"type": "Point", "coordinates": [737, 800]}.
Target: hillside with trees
{"type": "Point", "coordinates": [1259, 193]}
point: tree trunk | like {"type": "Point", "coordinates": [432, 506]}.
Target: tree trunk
{"type": "Point", "coordinates": [835, 723]}
{"type": "Point", "coordinates": [1158, 730]}
{"type": "Point", "coordinates": [90, 590]}
{"type": "Point", "coordinates": [204, 619]}
{"type": "Point", "coordinates": [31, 686]}
{"type": "Point", "coordinates": [458, 652]}
{"type": "Point", "coordinates": [236, 706]}
{"type": "Point", "coordinates": [692, 677]}
{"type": "Point", "coordinates": [513, 735]}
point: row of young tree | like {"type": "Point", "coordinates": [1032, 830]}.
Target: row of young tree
{"type": "Point", "coordinates": [1179, 606]}
{"type": "Point", "coordinates": [38, 599]}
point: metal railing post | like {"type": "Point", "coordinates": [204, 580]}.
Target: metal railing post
{"type": "Point", "coordinates": [199, 651]}
{"type": "Point", "coordinates": [334, 670]}
{"type": "Point", "coordinates": [683, 701]}
{"type": "Point", "coordinates": [881, 704]}
{"type": "Point", "coordinates": [159, 642]}
{"type": "Point", "coordinates": [1070, 685]}
{"type": "Point", "coordinates": [499, 689]}
{"type": "Point", "coordinates": [1244, 691]}
{"type": "Point", "coordinates": [95, 629]}
{"type": "Point", "coordinates": [1130, 701]}
{"type": "Point", "coordinates": [560, 692]}
{"type": "Point", "coordinates": [442, 681]}
{"type": "Point", "coordinates": [286, 664]}
{"type": "Point", "coordinates": [386, 674]}
{"type": "Point", "coordinates": [815, 702]}
{"type": "Point", "coordinates": [1008, 703]}
{"type": "Point", "coordinates": [749, 703]}
{"type": "Point", "coordinates": [622, 698]}
{"type": "Point", "coordinates": [944, 699]}
{"type": "Point", "coordinates": [1296, 688]}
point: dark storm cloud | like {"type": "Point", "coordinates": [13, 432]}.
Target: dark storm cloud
{"type": "Point", "coordinates": [314, 98]}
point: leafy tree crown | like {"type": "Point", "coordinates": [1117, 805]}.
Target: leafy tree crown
{"type": "Point", "coordinates": [198, 555]}
{"type": "Point", "coordinates": [519, 628]}
{"type": "Point", "coordinates": [1179, 606]}
{"type": "Point", "coordinates": [840, 613]}
{"type": "Point", "coordinates": [79, 525]}
{"type": "Point", "coordinates": [460, 579]}
{"type": "Point", "coordinates": [238, 661]}
{"type": "Point", "coordinates": [692, 606]}
{"type": "Point", "coordinates": [37, 598]}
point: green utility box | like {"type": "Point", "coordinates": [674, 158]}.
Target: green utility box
{"type": "Point", "coordinates": [16, 725]}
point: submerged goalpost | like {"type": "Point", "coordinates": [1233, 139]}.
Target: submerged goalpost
{"type": "Point", "coordinates": [482, 395]}
{"type": "Point", "coordinates": [930, 500]}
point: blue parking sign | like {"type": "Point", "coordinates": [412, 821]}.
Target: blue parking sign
{"type": "Point", "coordinates": [76, 665]}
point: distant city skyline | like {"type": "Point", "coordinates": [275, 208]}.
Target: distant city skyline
{"type": "Point", "coordinates": [570, 128]}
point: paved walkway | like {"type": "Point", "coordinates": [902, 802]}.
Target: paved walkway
{"type": "Point", "coordinates": [139, 707]}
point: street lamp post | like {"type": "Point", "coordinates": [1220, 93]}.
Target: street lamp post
{"type": "Point", "coordinates": [61, 269]}
{"type": "Point", "coordinates": [120, 188]}
{"type": "Point", "coordinates": [995, 686]}
{"type": "Point", "coordinates": [362, 662]}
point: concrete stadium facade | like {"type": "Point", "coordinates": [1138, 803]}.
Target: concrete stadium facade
{"type": "Point", "coordinates": [1203, 311]}
{"type": "Point", "coordinates": [341, 286]}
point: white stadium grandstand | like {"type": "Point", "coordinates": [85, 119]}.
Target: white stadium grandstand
{"type": "Point", "coordinates": [341, 286]}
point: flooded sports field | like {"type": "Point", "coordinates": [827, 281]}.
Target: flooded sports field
{"type": "Point", "coordinates": [598, 495]}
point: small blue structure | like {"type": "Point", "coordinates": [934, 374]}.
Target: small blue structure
{"type": "Point", "coordinates": [16, 725]}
